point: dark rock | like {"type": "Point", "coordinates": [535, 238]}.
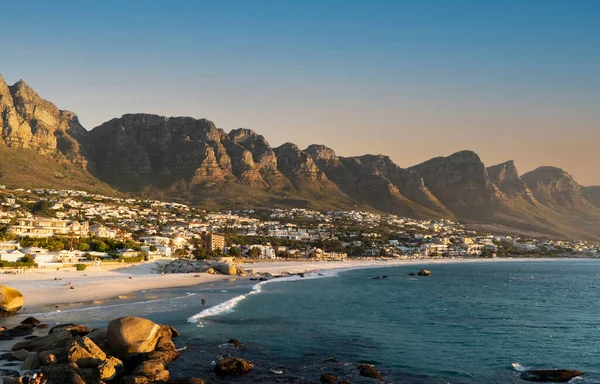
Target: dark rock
{"type": "Point", "coordinates": [384, 277]}
{"type": "Point", "coordinates": [31, 337]}
{"type": "Point", "coordinates": [328, 378]}
{"type": "Point", "coordinates": [63, 374]}
{"type": "Point", "coordinates": [376, 277]}
{"type": "Point", "coordinates": [186, 380]}
{"type": "Point", "coordinates": [368, 370]}
{"type": "Point", "coordinates": [236, 343]}
{"type": "Point", "coordinates": [550, 375]}
{"type": "Point", "coordinates": [42, 326]}
{"type": "Point", "coordinates": [263, 279]}
{"type": "Point", "coordinates": [331, 360]}
{"type": "Point", "coordinates": [19, 330]}
{"type": "Point", "coordinates": [58, 339]}
{"type": "Point", "coordinates": [411, 274]}
{"type": "Point", "coordinates": [134, 379]}
{"type": "Point", "coordinates": [424, 272]}
{"type": "Point", "coordinates": [73, 329]}
{"type": "Point", "coordinates": [31, 321]}
{"type": "Point", "coordinates": [233, 366]}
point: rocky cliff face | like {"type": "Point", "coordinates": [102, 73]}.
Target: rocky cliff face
{"type": "Point", "coordinates": [28, 121]}
{"type": "Point", "coordinates": [592, 194]}
{"type": "Point", "coordinates": [460, 181]}
{"type": "Point", "coordinates": [555, 188]}
{"type": "Point", "coordinates": [506, 177]}
{"type": "Point", "coordinates": [140, 148]}
{"type": "Point", "coordinates": [409, 183]}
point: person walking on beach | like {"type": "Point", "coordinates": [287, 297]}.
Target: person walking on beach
{"type": "Point", "coordinates": [203, 300]}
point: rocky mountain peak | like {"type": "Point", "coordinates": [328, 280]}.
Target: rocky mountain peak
{"type": "Point", "coordinates": [555, 187]}
{"type": "Point", "coordinates": [323, 156]}
{"type": "Point", "coordinates": [506, 177]}
{"type": "Point", "coordinates": [459, 181]}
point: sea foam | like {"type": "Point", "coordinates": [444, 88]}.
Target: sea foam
{"type": "Point", "coordinates": [229, 305]}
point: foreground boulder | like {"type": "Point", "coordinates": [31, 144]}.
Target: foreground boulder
{"type": "Point", "coordinates": [233, 366]}
{"type": "Point", "coordinates": [11, 301]}
{"type": "Point", "coordinates": [550, 375]}
{"type": "Point", "coordinates": [55, 340]}
{"type": "Point", "coordinates": [129, 335]}
{"type": "Point", "coordinates": [424, 272]}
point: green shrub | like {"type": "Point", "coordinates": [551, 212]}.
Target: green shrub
{"type": "Point", "coordinates": [80, 267]}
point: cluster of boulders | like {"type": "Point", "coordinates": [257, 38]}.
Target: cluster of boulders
{"type": "Point", "coordinates": [194, 266]}
{"type": "Point", "coordinates": [422, 272]}
{"type": "Point", "coordinates": [131, 350]}
{"type": "Point", "coordinates": [11, 301]}
{"type": "Point", "coordinates": [550, 375]}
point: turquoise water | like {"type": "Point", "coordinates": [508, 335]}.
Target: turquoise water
{"type": "Point", "coordinates": [467, 323]}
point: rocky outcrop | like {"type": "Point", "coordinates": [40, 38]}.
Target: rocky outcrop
{"type": "Point", "coordinates": [69, 359]}
{"type": "Point", "coordinates": [142, 148]}
{"type": "Point", "coordinates": [424, 272]}
{"type": "Point", "coordinates": [506, 177]}
{"type": "Point", "coordinates": [555, 188]}
{"type": "Point", "coordinates": [550, 375]}
{"type": "Point", "coordinates": [11, 301]}
{"type": "Point", "coordinates": [296, 164]}
{"type": "Point", "coordinates": [409, 183]}
{"type": "Point", "coordinates": [233, 366]}
{"type": "Point", "coordinates": [461, 182]}
{"type": "Point", "coordinates": [28, 121]}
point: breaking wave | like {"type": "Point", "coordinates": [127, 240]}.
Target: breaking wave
{"type": "Point", "coordinates": [229, 305]}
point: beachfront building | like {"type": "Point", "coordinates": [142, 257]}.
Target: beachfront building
{"type": "Point", "coordinates": [9, 245]}
{"type": "Point", "coordinates": [48, 227]}
{"type": "Point", "coordinates": [11, 256]}
{"type": "Point", "coordinates": [213, 242]}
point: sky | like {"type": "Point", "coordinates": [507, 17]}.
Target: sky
{"type": "Point", "coordinates": [512, 80]}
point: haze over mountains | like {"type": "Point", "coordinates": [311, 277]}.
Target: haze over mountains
{"type": "Point", "coordinates": [194, 161]}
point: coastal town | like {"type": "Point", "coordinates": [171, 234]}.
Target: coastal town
{"type": "Point", "coordinates": [49, 228]}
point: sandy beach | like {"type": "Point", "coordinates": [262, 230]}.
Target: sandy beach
{"type": "Point", "coordinates": [40, 288]}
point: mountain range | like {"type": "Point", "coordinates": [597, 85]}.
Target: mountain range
{"type": "Point", "coordinates": [193, 161]}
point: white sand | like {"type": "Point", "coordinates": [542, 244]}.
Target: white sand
{"type": "Point", "coordinates": [95, 283]}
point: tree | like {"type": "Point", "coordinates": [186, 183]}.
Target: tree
{"type": "Point", "coordinates": [99, 246]}
{"type": "Point", "coordinates": [27, 259]}
{"type": "Point", "coordinates": [83, 246]}
{"type": "Point", "coordinates": [153, 248]}
{"type": "Point", "coordinates": [233, 251]}
{"type": "Point", "coordinates": [254, 253]}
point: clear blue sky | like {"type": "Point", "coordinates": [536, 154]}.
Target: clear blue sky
{"type": "Point", "coordinates": [410, 79]}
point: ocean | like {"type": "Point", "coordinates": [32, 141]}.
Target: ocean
{"type": "Point", "coordinates": [466, 323]}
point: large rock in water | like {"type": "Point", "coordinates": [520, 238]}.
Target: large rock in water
{"type": "Point", "coordinates": [550, 375]}
{"type": "Point", "coordinates": [424, 272]}
{"type": "Point", "coordinates": [233, 366]}
{"type": "Point", "coordinates": [11, 301]}
{"type": "Point", "coordinates": [127, 335]}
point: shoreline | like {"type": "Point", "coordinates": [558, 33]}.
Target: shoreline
{"type": "Point", "coordinates": [40, 289]}
{"type": "Point", "coordinates": [98, 284]}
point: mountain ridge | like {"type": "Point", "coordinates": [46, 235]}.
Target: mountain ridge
{"type": "Point", "coordinates": [194, 161]}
